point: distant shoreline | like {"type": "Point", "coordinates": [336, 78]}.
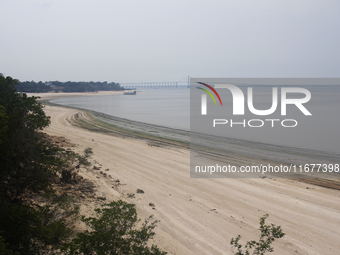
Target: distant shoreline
{"type": "Point", "coordinates": [50, 95]}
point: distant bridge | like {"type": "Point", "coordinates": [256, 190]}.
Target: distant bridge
{"type": "Point", "coordinates": [155, 85]}
{"type": "Point", "coordinates": [152, 85]}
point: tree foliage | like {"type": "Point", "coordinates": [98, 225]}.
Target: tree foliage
{"type": "Point", "coordinates": [114, 231]}
{"type": "Point", "coordinates": [267, 236]}
{"type": "Point", "coordinates": [32, 86]}
{"type": "Point", "coordinates": [41, 230]}
{"type": "Point", "coordinates": [69, 86]}
{"type": "Point", "coordinates": [23, 152]}
{"type": "Point", "coordinates": [69, 161]}
{"type": "Point", "coordinates": [29, 164]}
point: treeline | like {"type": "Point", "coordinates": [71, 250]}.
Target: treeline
{"type": "Point", "coordinates": [69, 86]}
{"type": "Point", "coordinates": [31, 86]}
{"type": "Point", "coordinates": [36, 216]}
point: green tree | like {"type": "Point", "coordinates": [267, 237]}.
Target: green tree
{"type": "Point", "coordinates": [31, 86]}
{"type": "Point", "coordinates": [114, 232]}
{"type": "Point", "coordinates": [69, 161]}
{"type": "Point", "coordinates": [29, 230]}
{"type": "Point", "coordinates": [21, 117]}
{"type": "Point", "coordinates": [4, 248]}
{"type": "Point", "coordinates": [267, 236]}
{"type": "Point", "coordinates": [29, 162]}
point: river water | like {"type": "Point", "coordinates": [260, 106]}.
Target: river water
{"type": "Point", "coordinates": [164, 107]}
{"type": "Point", "coordinates": [171, 108]}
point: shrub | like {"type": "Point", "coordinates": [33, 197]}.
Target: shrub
{"type": "Point", "coordinates": [268, 234]}
{"type": "Point", "coordinates": [115, 232]}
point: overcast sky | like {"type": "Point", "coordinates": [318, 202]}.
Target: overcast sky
{"type": "Point", "coordinates": [163, 40]}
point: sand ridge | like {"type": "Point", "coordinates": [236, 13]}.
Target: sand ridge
{"type": "Point", "coordinates": [200, 216]}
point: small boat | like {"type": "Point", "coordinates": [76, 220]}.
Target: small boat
{"type": "Point", "coordinates": [129, 92]}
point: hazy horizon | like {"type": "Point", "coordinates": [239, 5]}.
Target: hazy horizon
{"type": "Point", "coordinates": [145, 41]}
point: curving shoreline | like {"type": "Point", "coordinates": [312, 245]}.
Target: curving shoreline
{"type": "Point", "coordinates": [221, 150]}
{"type": "Point", "coordinates": [276, 154]}
{"type": "Point", "coordinates": [263, 151]}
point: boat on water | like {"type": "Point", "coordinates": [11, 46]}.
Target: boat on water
{"type": "Point", "coordinates": [129, 92]}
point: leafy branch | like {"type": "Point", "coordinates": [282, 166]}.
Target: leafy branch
{"type": "Point", "coordinates": [268, 234]}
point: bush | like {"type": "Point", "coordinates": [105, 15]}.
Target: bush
{"type": "Point", "coordinates": [69, 161]}
{"type": "Point", "coordinates": [268, 234]}
{"type": "Point", "coordinates": [115, 232]}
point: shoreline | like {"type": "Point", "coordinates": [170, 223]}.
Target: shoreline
{"type": "Point", "coordinates": [211, 146]}
{"type": "Point", "coordinates": [246, 152]}
{"type": "Point", "coordinates": [199, 216]}
{"type": "Point", "coordinates": [278, 154]}
{"type": "Point", "coordinates": [49, 95]}
{"type": "Point", "coordinates": [169, 137]}
{"type": "Point", "coordinates": [100, 122]}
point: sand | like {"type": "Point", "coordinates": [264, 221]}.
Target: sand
{"type": "Point", "coordinates": [52, 95]}
{"type": "Point", "coordinates": [200, 216]}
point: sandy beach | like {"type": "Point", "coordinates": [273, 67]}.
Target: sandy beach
{"type": "Point", "coordinates": [200, 216]}
{"type": "Point", "coordinates": [52, 95]}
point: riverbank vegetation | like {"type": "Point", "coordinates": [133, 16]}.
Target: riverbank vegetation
{"type": "Point", "coordinates": [69, 86]}
{"type": "Point", "coordinates": [35, 217]}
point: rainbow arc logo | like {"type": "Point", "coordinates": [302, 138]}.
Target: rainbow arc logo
{"type": "Point", "coordinates": [209, 93]}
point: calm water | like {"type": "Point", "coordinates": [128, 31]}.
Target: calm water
{"type": "Point", "coordinates": [171, 108]}
{"type": "Point", "coordinates": [164, 107]}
